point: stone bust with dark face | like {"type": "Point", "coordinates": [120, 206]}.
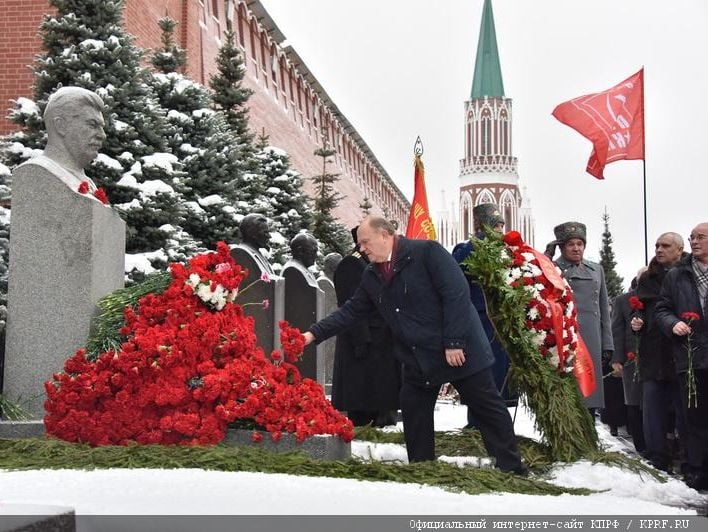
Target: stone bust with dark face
{"type": "Point", "coordinates": [255, 231]}
{"type": "Point", "coordinates": [304, 249]}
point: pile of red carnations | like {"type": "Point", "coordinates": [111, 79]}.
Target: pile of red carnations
{"type": "Point", "coordinates": [551, 313]}
{"type": "Point", "coordinates": [188, 367]}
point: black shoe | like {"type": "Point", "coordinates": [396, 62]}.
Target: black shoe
{"type": "Point", "coordinates": [662, 465]}
{"type": "Point", "coordinates": [696, 480]}
{"type": "Point", "coordinates": [521, 471]}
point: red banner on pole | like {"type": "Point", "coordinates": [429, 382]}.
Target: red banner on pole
{"type": "Point", "coordinates": [613, 120]}
{"type": "Point", "coordinates": [420, 224]}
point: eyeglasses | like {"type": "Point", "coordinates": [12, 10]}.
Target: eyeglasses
{"type": "Point", "coordinates": [699, 237]}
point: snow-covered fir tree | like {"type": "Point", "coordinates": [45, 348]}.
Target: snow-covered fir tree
{"type": "Point", "coordinates": [607, 260]}
{"type": "Point", "coordinates": [229, 98]}
{"type": "Point", "coordinates": [84, 44]}
{"type": "Point", "coordinates": [365, 205]}
{"type": "Point", "coordinates": [332, 235]}
{"type": "Point", "coordinates": [205, 145]}
{"type": "Point", "coordinates": [290, 207]}
{"type": "Point", "coordinates": [229, 94]}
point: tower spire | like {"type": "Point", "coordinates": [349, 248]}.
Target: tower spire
{"type": "Point", "coordinates": [487, 69]}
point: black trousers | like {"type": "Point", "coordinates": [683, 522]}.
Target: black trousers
{"type": "Point", "coordinates": [661, 399]}
{"type": "Point", "coordinates": [635, 427]}
{"type": "Point", "coordinates": [696, 422]}
{"type": "Point", "coordinates": [481, 396]}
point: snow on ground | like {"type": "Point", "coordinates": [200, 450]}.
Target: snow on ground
{"type": "Point", "coordinates": [198, 492]}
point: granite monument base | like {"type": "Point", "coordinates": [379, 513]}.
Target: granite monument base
{"type": "Point", "coordinates": [36, 517]}
{"type": "Point", "coordinates": [17, 430]}
{"type": "Point", "coordinates": [321, 447]}
{"type": "Point", "coordinates": [67, 251]}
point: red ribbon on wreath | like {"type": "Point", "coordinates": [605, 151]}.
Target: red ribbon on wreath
{"type": "Point", "coordinates": [583, 368]}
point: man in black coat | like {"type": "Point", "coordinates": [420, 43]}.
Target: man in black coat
{"type": "Point", "coordinates": [685, 289]}
{"type": "Point", "coordinates": [366, 378]}
{"type": "Point", "coordinates": [661, 402]}
{"type": "Point", "coordinates": [421, 293]}
{"type": "Point", "coordinates": [625, 340]}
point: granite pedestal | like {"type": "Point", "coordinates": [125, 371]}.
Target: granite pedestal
{"type": "Point", "coordinates": [67, 251]}
{"type": "Point", "coordinates": [304, 305]}
{"type": "Point", "coordinates": [266, 319]}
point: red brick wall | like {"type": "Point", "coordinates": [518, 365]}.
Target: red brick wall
{"type": "Point", "coordinates": [289, 122]}
{"type": "Point", "coordinates": [19, 43]}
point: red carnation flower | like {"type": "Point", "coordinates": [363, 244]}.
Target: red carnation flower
{"type": "Point", "coordinates": [631, 356]}
{"type": "Point", "coordinates": [101, 196]}
{"type": "Point", "coordinates": [690, 316]}
{"type": "Point", "coordinates": [83, 187]}
{"type": "Point", "coordinates": [635, 303]}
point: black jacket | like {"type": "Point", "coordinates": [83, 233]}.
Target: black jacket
{"type": "Point", "coordinates": [655, 350]}
{"type": "Point", "coordinates": [679, 294]}
{"type": "Point", "coordinates": [427, 306]}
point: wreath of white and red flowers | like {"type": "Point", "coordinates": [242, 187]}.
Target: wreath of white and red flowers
{"type": "Point", "coordinates": [555, 333]}
{"type": "Point", "coordinates": [189, 366]}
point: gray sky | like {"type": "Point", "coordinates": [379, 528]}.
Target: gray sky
{"type": "Point", "coordinates": [402, 68]}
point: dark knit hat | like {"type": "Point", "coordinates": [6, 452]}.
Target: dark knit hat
{"type": "Point", "coordinates": [568, 230]}
{"type": "Point", "coordinates": [486, 214]}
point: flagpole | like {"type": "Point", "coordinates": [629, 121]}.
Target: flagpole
{"type": "Point", "coordinates": [646, 238]}
{"type": "Point", "coordinates": [644, 172]}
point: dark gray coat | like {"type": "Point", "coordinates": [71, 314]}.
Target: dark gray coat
{"type": "Point", "coordinates": [625, 340]}
{"type": "Point", "coordinates": [590, 293]}
{"type": "Point", "coordinates": [427, 306]}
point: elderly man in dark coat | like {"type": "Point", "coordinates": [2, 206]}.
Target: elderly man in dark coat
{"type": "Point", "coordinates": [366, 377]}
{"type": "Point", "coordinates": [423, 296]}
{"type": "Point", "coordinates": [587, 279]}
{"type": "Point", "coordinates": [661, 401]}
{"type": "Point", "coordinates": [685, 290]}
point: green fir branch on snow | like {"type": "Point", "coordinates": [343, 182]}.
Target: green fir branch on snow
{"type": "Point", "coordinates": [36, 453]}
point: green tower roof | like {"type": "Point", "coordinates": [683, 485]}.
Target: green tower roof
{"type": "Point", "coordinates": [487, 70]}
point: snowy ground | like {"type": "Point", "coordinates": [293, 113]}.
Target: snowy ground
{"type": "Point", "coordinates": [198, 492]}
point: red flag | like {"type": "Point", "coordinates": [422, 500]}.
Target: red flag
{"type": "Point", "coordinates": [420, 225]}
{"type": "Point", "coordinates": [612, 120]}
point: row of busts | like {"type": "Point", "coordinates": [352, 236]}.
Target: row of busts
{"type": "Point", "coordinates": [255, 235]}
{"type": "Point", "coordinates": [295, 295]}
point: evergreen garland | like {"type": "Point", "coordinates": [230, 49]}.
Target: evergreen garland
{"type": "Point", "coordinates": [55, 454]}
{"type": "Point", "coordinates": [554, 398]}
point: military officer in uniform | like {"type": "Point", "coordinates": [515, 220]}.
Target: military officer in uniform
{"type": "Point", "coordinates": [587, 279]}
